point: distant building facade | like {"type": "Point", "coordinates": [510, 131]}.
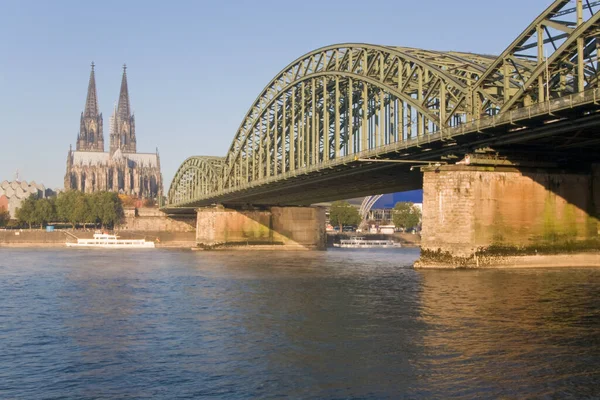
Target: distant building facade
{"type": "Point", "coordinates": [380, 215]}
{"type": "Point", "coordinates": [13, 193]}
{"type": "Point", "coordinates": [122, 169]}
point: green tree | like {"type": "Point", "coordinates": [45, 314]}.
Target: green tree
{"type": "Point", "coordinates": [406, 215]}
{"type": "Point", "coordinates": [81, 211]}
{"type": "Point", "coordinates": [72, 207]}
{"type": "Point", "coordinates": [103, 208]}
{"type": "Point", "coordinates": [95, 208]}
{"type": "Point", "coordinates": [44, 212]}
{"type": "Point", "coordinates": [109, 208]}
{"type": "Point", "coordinates": [64, 206]}
{"type": "Point", "coordinates": [26, 213]}
{"type": "Point", "coordinates": [4, 216]}
{"type": "Point", "coordinates": [342, 213]}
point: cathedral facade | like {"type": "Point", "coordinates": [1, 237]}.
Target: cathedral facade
{"type": "Point", "coordinates": [122, 169]}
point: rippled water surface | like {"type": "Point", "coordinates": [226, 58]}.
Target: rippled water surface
{"type": "Point", "coordinates": [338, 324]}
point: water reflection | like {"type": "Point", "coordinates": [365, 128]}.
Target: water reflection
{"type": "Point", "coordinates": [512, 333]}
{"type": "Point", "coordinates": [332, 324]}
{"type": "Point", "coordinates": [321, 326]}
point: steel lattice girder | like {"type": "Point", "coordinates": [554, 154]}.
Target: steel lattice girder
{"type": "Point", "coordinates": [346, 99]}
{"type": "Point", "coordinates": [561, 46]}
{"type": "Point", "coordinates": [197, 176]}
{"type": "Point", "coordinates": [413, 90]}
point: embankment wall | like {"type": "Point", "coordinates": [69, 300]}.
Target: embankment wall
{"type": "Point", "coordinates": [153, 220]}
{"type": "Point", "coordinates": [36, 238]}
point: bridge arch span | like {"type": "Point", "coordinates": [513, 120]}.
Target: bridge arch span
{"type": "Point", "coordinates": [336, 106]}
{"type": "Point", "coordinates": [197, 176]}
{"type": "Point", "coordinates": [344, 99]}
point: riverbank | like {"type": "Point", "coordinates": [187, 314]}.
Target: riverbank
{"type": "Point", "coordinates": [540, 261]}
{"type": "Point", "coordinates": [570, 254]}
{"type": "Point", "coordinates": [429, 260]}
{"type": "Point", "coordinates": [256, 247]}
{"type": "Point", "coordinates": [32, 238]}
{"type": "Point", "coordinates": [405, 239]}
{"type": "Point", "coordinates": [38, 238]}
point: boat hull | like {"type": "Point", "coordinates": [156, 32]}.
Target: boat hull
{"type": "Point", "coordinates": [145, 245]}
{"type": "Point", "coordinates": [366, 246]}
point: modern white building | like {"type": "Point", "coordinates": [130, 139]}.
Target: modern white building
{"type": "Point", "coordinates": [13, 193]}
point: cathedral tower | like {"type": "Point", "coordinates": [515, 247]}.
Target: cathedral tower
{"type": "Point", "coordinates": [122, 169]}
{"type": "Point", "coordinates": [122, 135]}
{"type": "Point", "coordinates": [91, 137]}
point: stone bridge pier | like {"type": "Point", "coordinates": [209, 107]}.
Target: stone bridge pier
{"type": "Point", "coordinates": [478, 216]}
{"type": "Point", "coordinates": [280, 228]}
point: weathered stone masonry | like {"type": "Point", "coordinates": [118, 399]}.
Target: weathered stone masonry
{"type": "Point", "coordinates": [288, 227]}
{"type": "Point", "coordinates": [466, 208]}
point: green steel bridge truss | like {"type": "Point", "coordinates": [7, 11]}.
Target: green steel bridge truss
{"type": "Point", "coordinates": [341, 102]}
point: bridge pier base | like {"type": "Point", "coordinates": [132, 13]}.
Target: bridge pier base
{"type": "Point", "coordinates": [279, 228]}
{"type": "Point", "coordinates": [475, 216]}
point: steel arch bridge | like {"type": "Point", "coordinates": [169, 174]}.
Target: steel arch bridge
{"type": "Point", "coordinates": [318, 129]}
{"type": "Point", "coordinates": [196, 177]}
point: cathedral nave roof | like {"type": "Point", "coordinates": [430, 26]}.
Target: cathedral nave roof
{"type": "Point", "coordinates": [95, 158]}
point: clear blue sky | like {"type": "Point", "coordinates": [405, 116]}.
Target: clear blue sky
{"type": "Point", "coordinates": [194, 67]}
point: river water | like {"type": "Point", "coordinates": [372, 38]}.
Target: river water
{"type": "Point", "coordinates": [340, 324]}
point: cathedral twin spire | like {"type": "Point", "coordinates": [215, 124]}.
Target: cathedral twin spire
{"type": "Point", "coordinates": [122, 135]}
{"type": "Point", "coordinates": [91, 102]}
{"type": "Point", "coordinates": [122, 127]}
{"type": "Point", "coordinates": [90, 136]}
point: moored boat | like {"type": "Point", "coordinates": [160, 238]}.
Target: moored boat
{"type": "Point", "coordinates": [105, 240]}
{"type": "Point", "coordinates": [360, 242]}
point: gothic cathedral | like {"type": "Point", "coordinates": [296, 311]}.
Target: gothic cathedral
{"type": "Point", "coordinates": [122, 169]}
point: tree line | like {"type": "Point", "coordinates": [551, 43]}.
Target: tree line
{"type": "Point", "coordinates": [4, 216]}
{"type": "Point", "coordinates": [76, 208]}
{"type": "Point", "coordinates": [405, 215]}
{"type": "Point", "coordinates": [343, 213]}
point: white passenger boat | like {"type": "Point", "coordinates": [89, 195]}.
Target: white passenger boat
{"type": "Point", "coordinates": [104, 240]}
{"type": "Point", "coordinates": [359, 242]}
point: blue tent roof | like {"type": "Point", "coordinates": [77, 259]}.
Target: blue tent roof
{"type": "Point", "coordinates": [389, 200]}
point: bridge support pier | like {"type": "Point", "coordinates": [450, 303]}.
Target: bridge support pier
{"type": "Point", "coordinates": [280, 228]}
{"type": "Point", "coordinates": [476, 216]}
